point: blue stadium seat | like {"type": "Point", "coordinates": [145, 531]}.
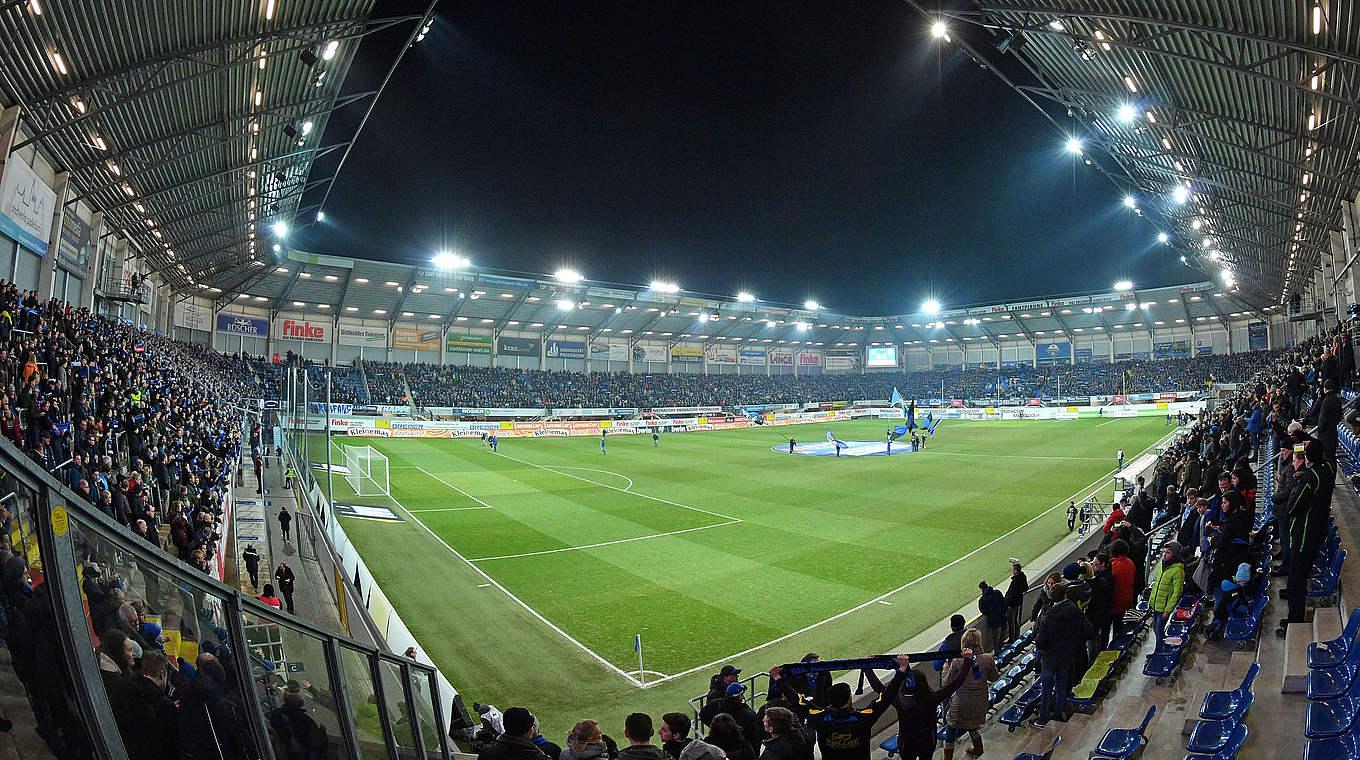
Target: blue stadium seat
{"type": "Point", "coordinates": [889, 745]}
{"type": "Point", "coordinates": [1221, 704]}
{"type": "Point", "coordinates": [1230, 748]}
{"type": "Point", "coordinates": [1024, 706]}
{"type": "Point", "coordinates": [1047, 755]}
{"type": "Point", "coordinates": [1211, 736]}
{"type": "Point", "coordinates": [1333, 717]}
{"type": "Point", "coordinates": [1344, 747]}
{"type": "Point", "coordinates": [1325, 586]}
{"type": "Point", "coordinates": [1123, 743]}
{"type": "Point", "coordinates": [1325, 654]}
{"type": "Point", "coordinates": [1330, 683]}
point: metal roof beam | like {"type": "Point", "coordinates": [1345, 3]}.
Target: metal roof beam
{"type": "Point", "coordinates": [405, 294]}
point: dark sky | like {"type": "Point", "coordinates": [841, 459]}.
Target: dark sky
{"type": "Point", "coordinates": [796, 150]}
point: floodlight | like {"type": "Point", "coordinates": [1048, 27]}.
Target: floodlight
{"type": "Point", "coordinates": [321, 216]}
{"type": "Point", "coordinates": [449, 260]}
{"type": "Point", "coordinates": [328, 52]}
{"type": "Point", "coordinates": [1127, 113]}
{"type": "Point", "coordinates": [745, 297]}
{"type": "Point", "coordinates": [280, 229]}
{"type": "Point", "coordinates": [1123, 285]}
{"type": "Point", "coordinates": [811, 305]}
{"type": "Point", "coordinates": [277, 248]}
{"type": "Point", "coordinates": [938, 29]}
{"type": "Point", "coordinates": [665, 287]}
{"type": "Point", "coordinates": [931, 307]}
{"type": "Point", "coordinates": [618, 310]}
{"type": "Point", "coordinates": [1162, 237]}
{"type": "Point", "coordinates": [1180, 194]}
{"type": "Point", "coordinates": [568, 275]}
{"type": "Point", "coordinates": [1074, 145]}
{"type": "Point", "coordinates": [307, 127]}
{"type": "Point", "coordinates": [1056, 25]}
{"type": "Point", "coordinates": [1130, 202]}
{"type": "Point", "coordinates": [566, 305]}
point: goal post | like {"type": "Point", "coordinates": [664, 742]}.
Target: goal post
{"type": "Point", "coordinates": [366, 469]}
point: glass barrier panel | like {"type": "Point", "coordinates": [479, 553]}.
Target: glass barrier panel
{"type": "Point", "coordinates": [296, 691]}
{"type": "Point", "coordinates": [363, 703]}
{"type": "Point", "coordinates": [398, 711]}
{"type": "Point", "coordinates": [421, 690]}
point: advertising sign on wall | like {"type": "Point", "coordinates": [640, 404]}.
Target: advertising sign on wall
{"type": "Point", "coordinates": [469, 344]}
{"type": "Point", "coordinates": [26, 204]}
{"type": "Point", "coordinates": [752, 357]}
{"type": "Point", "coordinates": [416, 339]}
{"type": "Point", "coordinates": [240, 324]}
{"type": "Point", "coordinates": [649, 354]}
{"type": "Point", "coordinates": [1257, 337]}
{"type": "Point", "coordinates": [1054, 353]}
{"type": "Point", "coordinates": [77, 244]}
{"type": "Point", "coordinates": [1083, 355]}
{"type": "Point", "coordinates": [566, 349]}
{"type": "Point", "coordinates": [1172, 349]}
{"type": "Point", "coordinates": [686, 354]}
{"type": "Point", "coordinates": [781, 357]}
{"type": "Point", "coordinates": [721, 354]}
{"type": "Point", "coordinates": [359, 335]}
{"type": "Point", "coordinates": [1203, 346]}
{"type": "Point", "coordinates": [192, 316]}
{"type": "Point", "coordinates": [305, 331]}
{"type": "Point", "coordinates": [612, 352]}
{"type": "Point", "coordinates": [809, 359]}
{"type": "Point", "coordinates": [517, 346]}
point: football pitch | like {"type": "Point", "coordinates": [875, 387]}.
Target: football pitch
{"type": "Point", "coordinates": [526, 573]}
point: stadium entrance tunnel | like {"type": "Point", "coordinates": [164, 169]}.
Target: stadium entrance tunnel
{"type": "Point", "coordinates": [852, 448]}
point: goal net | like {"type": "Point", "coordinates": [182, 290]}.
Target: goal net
{"type": "Point", "coordinates": [365, 469]}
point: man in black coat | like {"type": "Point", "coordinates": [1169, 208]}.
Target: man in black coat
{"type": "Point", "coordinates": [1015, 599]}
{"type": "Point", "coordinates": [734, 704]}
{"type": "Point", "coordinates": [517, 743]}
{"type": "Point", "coordinates": [283, 576]}
{"type": "Point", "coordinates": [1060, 639]}
{"type": "Point", "coordinates": [1329, 416]}
{"type": "Point", "coordinates": [207, 721]}
{"type": "Point", "coordinates": [992, 605]}
{"type": "Point", "coordinates": [1310, 504]}
{"type": "Point", "coordinates": [786, 741]}
{"type": "Point", "coordinates": [150, 725]}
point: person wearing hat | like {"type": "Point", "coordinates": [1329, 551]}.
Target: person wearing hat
{"type": "Point", "coordinates": [1233, 595]}
{"type": "Point", "coordinates": [734, 704]}
{"type": "Point", "coordinates": [992, 605]}
{"type": "Point", "coordinates": [717, 685]}
{"type": "Point", "coordinates": [1310, 505]}
{"type": "Point", "coordinates": [295, 728]}
{"type": "Point", "coordinates": [957, 624]}
{"type": "Point", "coordinates": [843, 732]}
{"type": "Point", "coordinates": [1167, 586]}
{"type": "Point", "coordinates": [252, 559]}
{"type": "Point", "coordinates": [517, 743]}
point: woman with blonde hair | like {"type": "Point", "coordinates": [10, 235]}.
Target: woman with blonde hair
{"type": "Point", "coordinates": [585, 741]}
{"type": "Point", "coordinates": [968, 708]}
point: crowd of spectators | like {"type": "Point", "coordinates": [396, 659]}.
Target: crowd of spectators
{"type": "Point", "coordinates": [347, 384]}
{"type": "Point", "coordinates": [387, 382]}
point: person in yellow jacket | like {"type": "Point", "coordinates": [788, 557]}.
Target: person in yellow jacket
{"type": "Point", "coordinates": [1167, 586]}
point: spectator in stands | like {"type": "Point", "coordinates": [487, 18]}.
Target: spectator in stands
{"type": "Point", "coordinates": [516, 743]}
{"type": "Point", "coordinates": [208, 725]}
{"type": "Point", "coordinates": [585, 741]}
{"type": "Point", "coordinates": [1167, 586]}
{"type": "Point", "coordinates": [251, 558]}
{"type": "Point", "coordinates": [1098, 609]}
{"type": "Point", "coordinates": [1015, 599]}
{"type": "Point", "coordinates": [786, 741]}
{"type": "Point", "coordinates": [299, 736]}
{"type": "Point", "coordinates": [674, 734]}
{"type": "Point", "coordinates": [728, 736]}
{"type": "Point", "coordinates": [1060, 640]}
{"type": "Point", "coordinates": [283, 575]}
{"type": "Point", "coordinates": [968, 708]}
{"type": "Point", "coordinates": [917, 705]}
{"type": "Point", "coordinates": [843, 733]}
{"type": "Point", "coordinates": [992, 605]}
{"type": "Point", "coordinates": [285, 520]}
{"type": "Point", "coordinates": [268, 596]}
{"type": "Point", "coordinates": [957, 625]}
{"type": "Point", "coordinates": [551, 749]}
{"type": "Point", "coordinates": [717, 685]}
{"type": "Point", "coordinates": [1122, 573]}
{"type": "Point", "coordinates": [734, 704]}
{"type": "Point", "coordinates": [116, 652]}
{"type": "Point", "coordinates": [1329, 416]}
{"type": "Point", "coordinates": [150, 720]}
{"type": "Point", "coordinates": [813, 685]}
{"type": "Point", "coordinates": [638, 728]}
{"type": "Point", "coordinates": [1310, 506]}
{"type": "Point", "coordinates": [1229, 546]}
{"type": "Point", "coordinates": [1235, 597]}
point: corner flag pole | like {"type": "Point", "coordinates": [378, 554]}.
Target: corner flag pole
{"type": "Point", "coordinates": [637, 644]}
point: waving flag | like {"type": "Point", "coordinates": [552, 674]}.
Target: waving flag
{"type": "Point", "coordinates": [910, 414]}
{"type": "Point", "coordinates": [931, 425]}
{"type": "Point", "coordinates": [756, 418]}
{"type": "Point", "coordinates": [896, 398]}
{"type": "Point", "coordinates": [835, 441]}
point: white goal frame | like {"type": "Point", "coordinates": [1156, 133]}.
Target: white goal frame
{"type": "Point", "coordinates": [368, 469]}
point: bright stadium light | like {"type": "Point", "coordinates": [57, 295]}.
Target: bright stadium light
{"type": "Point", "coordinates": [811, 305]}
{"type": "Point", "coordinates": [1130, 202]}
{"type": "Point", "coordinates": [566, 305]}
{"type": "Point", "coordinates": [931, 307]}
{"type": "Point", "coordinates": [1127, 113]}
{"type": "Point", "coordinates": [277, 248]}
{"type": "Point", "coordinates": [1180, 194]}
{"type": "Point", "coordinates": [1162, 237]}
{"type": "Point", "coordinates": [449, 260]}
{"type": "Point", "coordinates": [745, 297]}
{"type": "Point", "coordinates": [1123, 285]}
{"type": "Point", "coordinates": [1074, 145]}
{"type": "Point", "coordinates": [938, 30]}
{"type": "Point", "coordinates": [567, 275]}
{"type": "Point", "coordinates": [664, 287]}
{"type": "Point", "coordinates": [321, 216]}
{"type": "Point", "coordinates": [280, 229]}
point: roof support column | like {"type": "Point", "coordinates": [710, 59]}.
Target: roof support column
{"type": "Point", "coordinates": [47, 269]}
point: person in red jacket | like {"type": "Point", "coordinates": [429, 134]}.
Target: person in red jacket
{"type": "Point", "coordinates": [1122, 570]}
{"type": "Point", "coordinates": [1117, 516]}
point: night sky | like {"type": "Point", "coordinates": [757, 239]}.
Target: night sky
{"type": "Point", "coordinates": [796, 150]}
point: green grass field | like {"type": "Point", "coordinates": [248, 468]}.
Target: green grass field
{"type": "Point", "coordinates": [712, 547]}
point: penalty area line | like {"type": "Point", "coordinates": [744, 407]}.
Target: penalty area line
{"type": "Point", "coordinates": [1090, 488]}
{"type": "Point", "coordinates": [605, 543]}
{"type": "Point", "coordinates": [520, 602]}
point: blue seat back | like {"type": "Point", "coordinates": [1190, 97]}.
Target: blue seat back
{"type": "Point", "coordinates": [1142, 727]}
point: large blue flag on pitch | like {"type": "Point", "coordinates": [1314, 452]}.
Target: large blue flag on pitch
{"type": "Point", "coordinates": [756, 418]}
{"type": "Point", "coordinates": [836, 441]}
{"type": "Point", "coordinates": [910, 414]}
{"type": "Point", "coordinates": [896, 398]}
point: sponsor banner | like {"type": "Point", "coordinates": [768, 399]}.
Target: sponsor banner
{"type": "Point", "coordinates": [956, 402]}
{"type": "Point", "coordinates": [1054, 352]}
{"type": "Point", "coordinates": [468, 344]}
{"type": "Point", "coordinates": [650, 354]}
{"type": "Point", "coordinates": [613, 352]}
{"type": "Point", "coordinates": [304, 330]}
{"type": "Point", "coordinates": [687, 409]}
{"type": "Point", "coordinates": [240, 324]}
{"type": "Point", "coordinates": [1258, 338]}
{"type": "Point", "coordinates": [566, 349]}
{"type": "Point", "coordinates": [485, 411]}
{"type": "Point", "coordinates": [1107, 298]}
{"type": "Point", "coordinates": [721, 354]}
{"type": "Point", "coordinates": [1203, 346]}
{"type": "Point", "coordinates": [600, 412]}
{"type": "Point", "coordinates": [1200, 288]}
{"type": "Point", "coordinates": [359, 335]}
{"type": "Point", "coordinates": [416, 338]}
{"type": "Point", "coordinates": [1069, 301]}
{"type": "Point", "coordinates": [342, 409]}
{"type": "Point", "coordinates": [810, 359]}
{"type": "Point", "coordinates": [1119, 399]}
{"type": "Point", "coordinates": [781, 357]}
{"type": "Point", "coordinates": [504, 282]}
{"type": "Point", "coordinates": [1166, 396]}
{"type": "Point", "coordinates": [1023, 305]}
{"type": "Point", "coordinates": [686, 354]}
{"type": "Point", "coordinates": [26, 205]}
{"type": "Point", "coordinates": [752, 357]}
{"type": "Point", "coordinates": [1173, 349]}
{"type": "Point", "coordinates": [393, 409]}
{"type": "Point", "coordinates": [506, 346]}
{"type": "Point", "coordinates": [192, 316]}
{"type": "Point", "coordinates": [838, 362]}
{"type": "Point", "coordinates": [77, 244]}
{"type": "Point", "coordinates": [1082, 355]}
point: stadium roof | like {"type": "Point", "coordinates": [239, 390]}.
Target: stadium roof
{"type": "Point", "coordinates": [1248, 106]}
{"type": "Point", "coordinates": [190, 124]}
{"type": "Point", "coordinates": [325, 287]}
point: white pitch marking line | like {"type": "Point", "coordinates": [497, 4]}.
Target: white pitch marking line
{"type": "Point", "coordinates": [483, 585]}
{"type": "Point", "coordinates": [616, 488]}
{"type": "Point", "coordinates": [450, 509]}
{"type": "Point", "coordinates": [1012, 456]}
{"type": "Point", "coordinates": [607, 472]}
{"type": "Point", "coordinates": [1091, 488]}
{"type": "Point", "coordinates": [520, 602]}
{"type": "Point", "coordinates": [456, 488]}
{"type": "Point", "coordinates": [605, 543]}
{"type": "Point", "coordinates": [880, 601]}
